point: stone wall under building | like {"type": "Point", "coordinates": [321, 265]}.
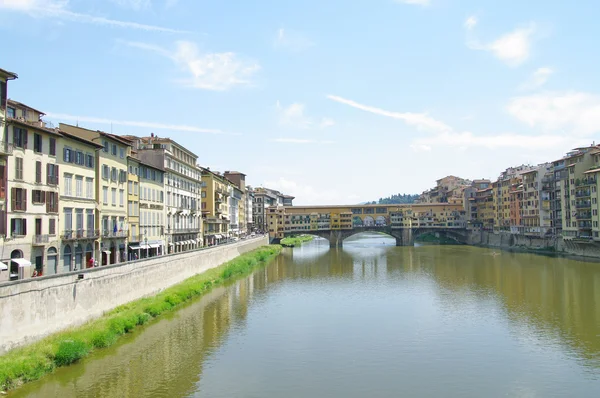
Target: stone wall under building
{"type": "Point", "coordinates": [34, 308]}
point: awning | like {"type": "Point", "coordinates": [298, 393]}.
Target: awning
{"type": "Point", "coordinates": [106, 251]}
{"type": "Point", "coordinates": [3, 266]}
{"type": "Point", "coordinates": [198, 240]}
{"type": "Point", "coordinates": [134, 247]}
{"type": "Point", "coordinates": [178, 243]}
{"type": "Point", "coordinates": [219, 236]}
{"type": "Point", "coordinates": [144, 246]}
{"type": "Point", "coordinates": [171, 244]}
{"type": "Point", "coordinates": [154, 246]}
{"type": "Point", "coordinates": [21, 261]}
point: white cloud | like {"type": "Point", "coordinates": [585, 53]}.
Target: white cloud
{"type": "Point", "coordinates": [301, 141]}
{"type": "Point", "coordinates": [294, 116]}
{"type": "Point", "coordinates": [537, 79]}
{"type": "Point", "coordinates": [512, 48]}
{"type": "Point", "coordinates": [306, 194]}
{"type": "Point", "coordinates": [420, 120]}
{"type": "Point", "coordinates": [57, 10]}
{"type": "Point", "coordinates": [209, 71]}
{"type": "Point", "coordinates": [574, 113]}
{"type": "Point", "coordinates": [133, 4]}
{"type": "Point", "coordinates": [292, 41]}
{"type": "Point", "coordinates": [420, 148]}
{"type": "Point", "coordinates": [508, 140]}
{"type": "Point", "coordinates": [414, 2]}
{"type": "Point", "coordinates": [471, 22]}
{"type": "Point", "coordinates": [149, 125]}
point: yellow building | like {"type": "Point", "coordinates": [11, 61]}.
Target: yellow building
{"type": "Point", "coordinates": [215, 206]}
{"type": "Point", "coordinates": [152, 209]}
{"type": "Point", "coordinates": [239, 180]}
{"type": "Point", "coordinates": [79, 232]}
{"type": "Point", "coordinates": [111, 192]}
{"type": "Point", "coordinates": [135, 237]}
{"type": "Point", "coordinates": [32, 192]}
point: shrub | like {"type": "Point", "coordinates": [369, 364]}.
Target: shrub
{"type": "Point", "coordinates": [70, 351]}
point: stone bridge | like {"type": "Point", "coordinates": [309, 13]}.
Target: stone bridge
{"type": "Point", "coordinates": [403, 236]}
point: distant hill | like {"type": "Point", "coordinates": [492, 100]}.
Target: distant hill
{"type": "Point", "coordinates": [398, 199]}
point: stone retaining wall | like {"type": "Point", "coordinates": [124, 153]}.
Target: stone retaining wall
{"type": "Point", "coordinates": [34, 308]}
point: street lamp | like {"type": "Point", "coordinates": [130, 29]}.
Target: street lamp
{"type": "Point", "coordinates": [146, 241]}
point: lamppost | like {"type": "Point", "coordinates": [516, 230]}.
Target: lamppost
{"type": "Point", "coordinates": [146, 241]}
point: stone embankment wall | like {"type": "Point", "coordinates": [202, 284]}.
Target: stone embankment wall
{"type": "Point", "coordinates": [505, 240]}
{"type": "Point", "coordinates": [34, 308]}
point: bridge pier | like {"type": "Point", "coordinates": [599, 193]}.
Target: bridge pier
{"type": "Point", "coordinates": [404, 237]}
{"type": "Point", "coordinates": [336, 239]}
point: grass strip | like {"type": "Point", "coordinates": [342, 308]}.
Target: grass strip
{"type": "Point", "coordinates": [294, 241]}
{"type": "Point", "coordinates": [31, 362]}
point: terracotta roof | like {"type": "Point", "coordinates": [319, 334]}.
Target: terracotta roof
{"type": "Point", "coordinates": [592, 171]}
{"type": "Point", "coordinates": [80, 139]}
{"type": "Point", "coordinates": [9, 75]}
{"type": "Point", "coordinates": [17, 103]}
{"type": "Point", "coordinates": [32, 125]}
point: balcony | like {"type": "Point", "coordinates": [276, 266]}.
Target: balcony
{"type": "Point", "coordinates": [112, 234]}
{"type": "Point", "coordinates": [583, 205]}
{"type": "Point", "coordinates": [584, 216]}
{"type": "Point", "coordinates": [182, 230]}
{"type": "Point", "coordinates": [582, 194]}
{"type": "Point", "coordinates": [80, 234]}
{"type": "Point", "coordinates": [5, 148]}
{"type": "Point", "coordinates": [40, 240]}
{"type": "Point", "coordinates": [588, 181]}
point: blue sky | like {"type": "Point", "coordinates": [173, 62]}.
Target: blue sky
{"type": "Point", "coordinates": [334, 101]}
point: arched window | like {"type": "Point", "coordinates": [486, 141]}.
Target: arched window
{"type": "Point", "coordinates": [89, 248]}
{"type": "Point", "coordinates": [16, 254]}
{"type": "Point", "coordinates": [78, 257]}
{"type": "Point", "coordinates": [52, 250]}
{"type": "Point", "coordinates": [67, 258]}
{"type": "Point", "coordinates": [52, 261]}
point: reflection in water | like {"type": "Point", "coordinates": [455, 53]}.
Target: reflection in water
{"type": "Point", "coordinates": [369, 319]}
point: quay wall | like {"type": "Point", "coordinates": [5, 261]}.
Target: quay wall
{"type": "Point", "coordinates": [34, 308]}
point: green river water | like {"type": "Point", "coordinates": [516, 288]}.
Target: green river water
{"type": "Point", "coordinates": [367, 320]}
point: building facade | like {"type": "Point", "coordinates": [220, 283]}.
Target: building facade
{"type": "Point", "coordinates": [133, 208]}
{"type": "Point", "coordinates": [79, 233]}
{"type": "Point", "coordinates": [32, 191]}
{"type": "Point", "coordinates": [152, 210]}
{"type": "Point", "coordinates": [111, 188]}
{"type": "Point", "coordinates": [215, 207]}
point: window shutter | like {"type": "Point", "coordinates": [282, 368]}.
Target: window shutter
{"type": "Point", "coordinates": [24, 221]}
{"type": "Point", "coordinates": [48, 177]}
{"type": "Point", "coordinates": [65, 152]}
{"type": "Point", "coordinates": [13, 225]}
{"type": "Point", "coordinates": [25, 133]}
{"type": "Point", "coordinates": [15, 136]}
{"type": "Point", "coordinates": [38, 171]}
{"type": "Point", "coordinates": [42, 197]}
{"type": "Point", "coordinates": [13, 198]}
{"type": "Point", "coordinates": [24, 201]}
{"type": "Point", "coordinates": [48, 201]}
{"type": "Point", "coordinates": [56, 173]}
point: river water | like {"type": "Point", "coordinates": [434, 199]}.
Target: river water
{"type": "Point", "coordinates": [368, 320]}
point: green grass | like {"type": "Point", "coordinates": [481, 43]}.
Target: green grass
{"type": "Point", "coordinates": [31, 362]}
{"type": "Point", "coordinates": [295, 240]}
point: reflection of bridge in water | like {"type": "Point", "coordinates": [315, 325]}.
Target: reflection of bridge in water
{"type": "Point", "coordinates": [405, 223]}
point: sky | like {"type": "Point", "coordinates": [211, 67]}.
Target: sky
{"type": "Point", "coordinates": [333, 101]}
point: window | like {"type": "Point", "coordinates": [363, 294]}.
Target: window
{"type": "Point", "coordinates": [67, 258]}
{"type": "Point", "coordinates": [51, 202]}
{"type": "Point", "coordinates": [11, 112]}
{"type": "Point", "coordinates": [68, 215]}
{"type": "Point", "coordinates": [130, 187]}
{"type": "Point", "coordinates": [105, 143]}
{"type": "Point", "coordinates": [90, 221]}
{"type": "Point", "coordinates": [89, 160]}
{"type": "Point", "coordinates": [79, 158]}
{"type": "Point", "coordinates": [105, 172]}
{"type": "Point", "coordinates": [79, 186]}
{"type": "Point", "coordinates": [37, 143]}
{"type": "Point", "coordinates": [113, 174]}
{"type": "Point", "coordinates": [68, 155]}
{"type": "Point", "coordinates": [162, 196]}
{"type": "Point", "coordinates": [114, 196]}
{"type": "Point", "coordinates": [114, 149]}
{"type": "Point", "coordinates": [89, 188]}
{"type": "Point", "coordinates": [19, 199]}
{"type": "Point", "coordinates": [18, 168]}
{"type": "Point", "coordinates": [51, 174]}
{"type": "Point", "coordinates": [38, 197]}
{"type": "Point", "coordinates": [38, 172]}
{"type": "Point", "coordinates": [203, 194]}
{"type": "Point", "coordinates": [20, 138]}
{"type": "Point", "coordinates": [52, 226]}
{"type": "Point", "coordinates": [105, 195]}
{"type": "Point", "coordinates": [122, 176]}
{"type": "Point", "coordinates": [121, 153]}
{"type": "Point", "coordinates": [135, 188]}
{"type": "Point", "coordinates": [52, 147]}
{"type": "Point", "coordinates": [18, 226]}
{"type": "Point", "coordinates": [121, 197]}
{"type": "Point", "coordinates": [68, 184]}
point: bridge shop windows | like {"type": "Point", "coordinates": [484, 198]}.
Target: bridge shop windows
{"type": "Point", "coordinates": [357, 211]}
{"type": "Point", "coordinates": [381, 210]}
{"type": "Point", "coordinates": [369, 210]}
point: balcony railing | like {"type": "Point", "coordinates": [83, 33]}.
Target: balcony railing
{"type": "Point", "coordinates": [5, 148]}
{"type": "Point", "coordinates": [112, 234]}
{"type": "Point", "coordinates": [80, 234]}
{"type": "Point", "coordinates": [41, 239]}
{"type": "Point", "coordinates": [182, 230]}
{"type": "Point", "coordinates": [588, 181]}
{"type": "Point", "coordinates": [583, 205]}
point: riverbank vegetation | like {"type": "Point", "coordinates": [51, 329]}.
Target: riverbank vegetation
{"type": "Point", "coordinates": [294, 241]}
{"type": "Point", "coordinates": [440, 240]}
{"type": "Point", "coordinates": [29, 363]}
